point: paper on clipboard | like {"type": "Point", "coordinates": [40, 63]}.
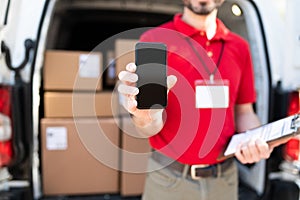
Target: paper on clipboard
{"type": "Point", "coordinates": [285, 127]}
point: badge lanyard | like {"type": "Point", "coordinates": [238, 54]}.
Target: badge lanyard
{"type": "Point", "coordinates": [211, 74]}
{"type": "Point", "coordinates": [214, 93]}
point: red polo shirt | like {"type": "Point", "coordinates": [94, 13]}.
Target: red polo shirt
{"type": "Point", "coordinates": [192, 135]}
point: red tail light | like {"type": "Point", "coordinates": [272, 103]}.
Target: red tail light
{"type": "Point", "coordinates": [292, 147]}
{"type": "Point", "coordinates": [5, 126]}
{"type": "Point", "coordinates": [294, 106]}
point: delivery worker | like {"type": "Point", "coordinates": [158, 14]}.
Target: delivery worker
{"type": "Point", "coordinates": [187, 137]}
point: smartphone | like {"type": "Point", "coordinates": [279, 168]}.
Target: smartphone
{"type": "Point", "coordinates": [151, 62]}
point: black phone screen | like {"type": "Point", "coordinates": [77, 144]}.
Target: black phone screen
{"type": "Point", "coordinates": [151, 63]}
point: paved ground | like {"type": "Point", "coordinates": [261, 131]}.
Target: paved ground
{"type": "Point", "coordinates": [100, 197]}
{"type": "Point", "coordinates": [23, 194]}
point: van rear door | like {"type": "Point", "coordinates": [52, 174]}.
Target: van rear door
{"type": "Point", "coordinates": [19, 25]}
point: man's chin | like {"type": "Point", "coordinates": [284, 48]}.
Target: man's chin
{"type": "Point", "coordinates": [202, 12]}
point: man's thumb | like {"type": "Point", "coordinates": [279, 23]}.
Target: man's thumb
{"type": "Point", "coordinates": [171, 81]}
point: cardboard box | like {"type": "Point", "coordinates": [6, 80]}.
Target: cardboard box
{"type": "Point", "coordinates": [110, 76]}
{"type": "Point", "coordinates": [73, 70]}
{"type": "Point", "coordinates": [124, 53]}
{"type": "Point", "coordinates": [135, 154]}
{"type": "Point", "coordinates": [79, 104]}
{"type": "Point", "coordinates": [79, 157]}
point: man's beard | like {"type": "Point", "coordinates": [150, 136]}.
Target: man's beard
{"type": "Point", "coordinates": [202, 8]}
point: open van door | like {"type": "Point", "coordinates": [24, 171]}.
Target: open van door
{"type": "Point", "coordinates": [4, 8]}
{"type": "Point", "coordinates": [19, 25]}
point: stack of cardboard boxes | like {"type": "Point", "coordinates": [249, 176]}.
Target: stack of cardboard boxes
{"type": "Point", "coordinates": [131, 180]}
{"type": "Point", "coordinates": [82, 129]}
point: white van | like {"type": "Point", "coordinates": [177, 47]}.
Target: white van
{"type": "Point", "coordinates": [28, 29]}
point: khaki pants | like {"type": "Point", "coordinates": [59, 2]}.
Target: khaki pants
{"type": "Point", "coordinates": [165, 184]}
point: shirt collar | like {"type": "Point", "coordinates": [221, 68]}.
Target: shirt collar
{"type": "Point", "coordinates": [188, 30]}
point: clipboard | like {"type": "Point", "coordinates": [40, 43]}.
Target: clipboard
{"type": "Point", "coordinates": [273, 132]}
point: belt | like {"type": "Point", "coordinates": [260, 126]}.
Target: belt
{"type": "Point", "coordinates": [195, 171]}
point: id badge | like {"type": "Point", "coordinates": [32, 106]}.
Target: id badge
{"type": "Point", "coordinates": [212, 94]}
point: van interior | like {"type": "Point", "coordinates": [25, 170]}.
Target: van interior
{"type": "Point", "coordinates": [80, 25]}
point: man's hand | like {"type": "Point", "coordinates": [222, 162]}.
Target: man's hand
{"type": "Point", "coordinates": [256, 149]}
{"type": "Point", "coordinates": [127, 88]}
{"type": "Point", "coordinates": [253, 151]}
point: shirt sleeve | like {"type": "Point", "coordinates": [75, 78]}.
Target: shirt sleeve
{"type": "Point", "coordinates": [246, 92]}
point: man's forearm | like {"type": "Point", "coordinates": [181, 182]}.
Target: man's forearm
{"type": "Point", "coordinates": [245, 118]}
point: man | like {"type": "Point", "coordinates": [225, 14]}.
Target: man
{"type": "Point", "coordinates": [187, 141]}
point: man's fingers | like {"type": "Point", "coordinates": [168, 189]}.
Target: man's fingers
{"type": "Point", "coordinates": [126, 76]}
{"type": "Point", "coordinates": [129, 76]}
{"type": "Point", "coordinates": [253, 151]}
{"type": "Point", "coordinates": [131, 105]}
{"type": "Point", "coordinates": [131, 67]}
{"type": "Point", "coordinates": [263, 148]}
{"type": "Point", "coordinates": [128, 102]}
{"type": "Point", "coordinates": [128, 90]}
{"type": "Point", "coordinates": [238, 154]}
